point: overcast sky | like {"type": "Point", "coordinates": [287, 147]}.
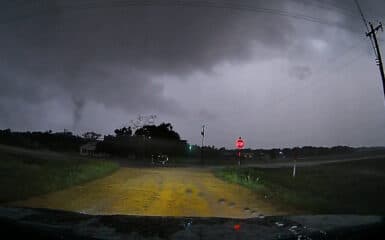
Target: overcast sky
{"type": "Point", "coordinates": [278, 73]}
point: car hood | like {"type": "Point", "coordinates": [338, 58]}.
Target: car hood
{"type": "Point", "coordinates": [55, 224]}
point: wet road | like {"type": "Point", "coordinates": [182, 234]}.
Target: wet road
{"type": "Point", "coordinates": [158, 191]}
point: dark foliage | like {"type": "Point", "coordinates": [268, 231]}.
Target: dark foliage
{"type": "Point", "coordinates": [147, 140]}
{"type": "Point", "coordinates": [162, 131]}
{"type": "Point", "coordinates": [124, 131]}
{"type": "Point", "coordinates": [58, 141]}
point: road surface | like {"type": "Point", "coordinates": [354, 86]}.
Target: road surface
{"type": "Point", "coordinates": [158, 192]}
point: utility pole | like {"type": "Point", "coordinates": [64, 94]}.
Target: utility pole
{"type": "Point", "coordinates": [203, 137]}
{"type": "Point", "coordinates": [372, 34]}
{"type": "Point", "coordinates": [373, 37]}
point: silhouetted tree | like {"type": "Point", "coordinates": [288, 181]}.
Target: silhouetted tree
{"type": "Point", "coordinates": [162, 131]}
{"type": "Point", "coordinates": [125, 131]}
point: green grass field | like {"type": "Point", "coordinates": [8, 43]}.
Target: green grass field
{"type": "Point", "coordinates": [356, 187]}
{"type": "Point", "coordinates": [26, 173]}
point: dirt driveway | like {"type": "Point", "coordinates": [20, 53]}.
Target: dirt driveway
{"type": "Point", "coordinates": [158, 191]}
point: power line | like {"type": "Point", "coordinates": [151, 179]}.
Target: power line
{"type": "Point", "coordinates": [344, 10]}
{"type": "Point", "coordinates": [200, 4]}
{"type": "Point", "coordinates": [330, 6]}
{"type": "Point", "coordinates": [362, 15]}
{"type": "Point", "coordinates": [332, 3]}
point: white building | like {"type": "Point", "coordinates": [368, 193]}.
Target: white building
{"type": "Point", "coordinates": [88, 149]}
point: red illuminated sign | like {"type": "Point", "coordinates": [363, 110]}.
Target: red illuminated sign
{"type": "Point", "coordinates": [237, 227]}
{"type": "Point", "coordinates": [240, 144]}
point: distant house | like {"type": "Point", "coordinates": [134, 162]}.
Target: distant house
{"type": "Point", "coordinates": [88, 149]}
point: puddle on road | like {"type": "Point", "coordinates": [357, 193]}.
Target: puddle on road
{"type": "Point", "coordinates": [157, 192]}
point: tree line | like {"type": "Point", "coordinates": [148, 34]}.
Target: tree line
{"type": "Point", "coordinates": [55, 141]}
{"type": "Point", "coordinates": [148, 140]}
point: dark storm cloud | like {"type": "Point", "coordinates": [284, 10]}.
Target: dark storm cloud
{"type": "Point", "coordinates": [300, 72]}
{"type": "Point", "coordinates": [95, 63]}
{"type": "Point", "coordinates": [109, 51]}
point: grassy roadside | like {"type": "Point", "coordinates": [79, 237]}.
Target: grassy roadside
{"type": "Point", "coordinates": [342, 188]}
{"type": "Point", "coordinates": [29, 173]}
